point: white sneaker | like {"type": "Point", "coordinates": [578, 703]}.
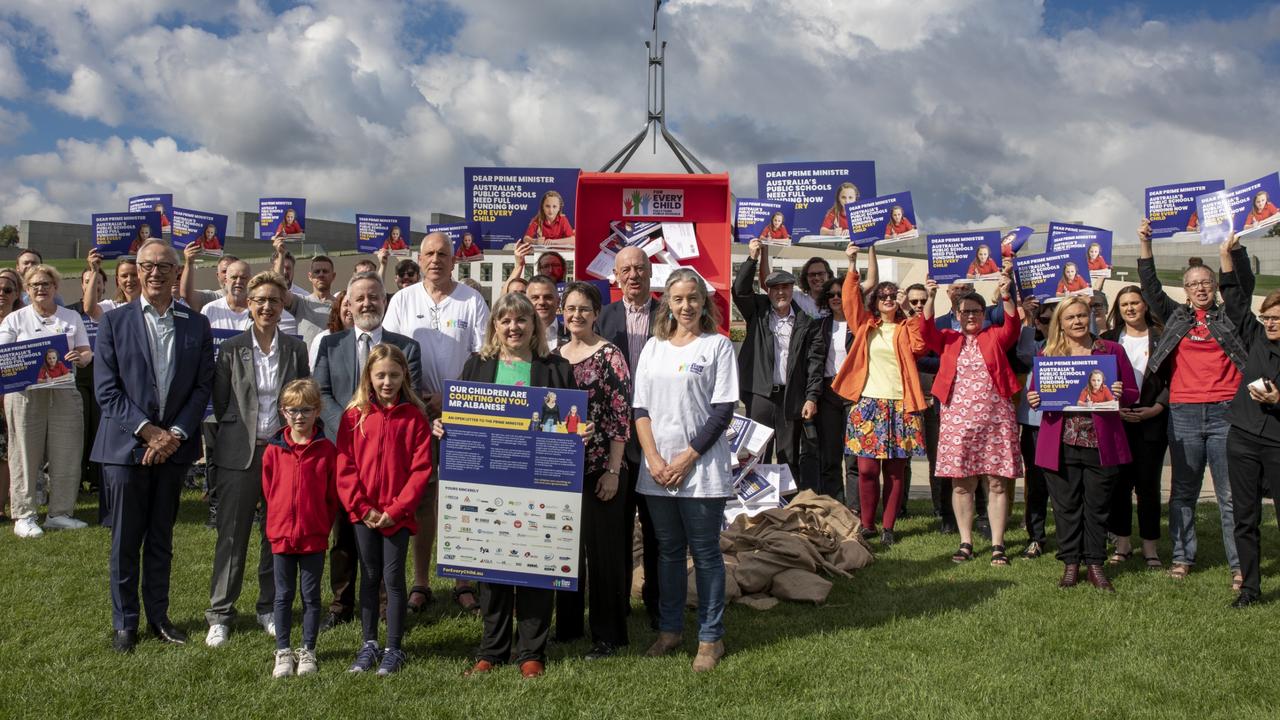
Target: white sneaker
{"type": "Point", "coordinates": [64, 522]}
{"type": "Point", "coordinates": [268, 623]}
{"type": "Point", "coordinates": [307, 661]}
{"type": "Point", "coordinates": [284, 664]}
{"type": "Point", "coordinates": [217, 636]}
{"type": "Point", "coordinates": [27, 527]}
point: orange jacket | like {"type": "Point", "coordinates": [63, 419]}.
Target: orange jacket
{"type": "Point", "coordinates": [851, 378]}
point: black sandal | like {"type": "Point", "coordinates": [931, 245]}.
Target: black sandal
{"type": "Point", "coordinates": [964, 554]}
{"type": "Point", "coordinates": [422, 590]}
{"type": "Point", "coordinates": [472, 607]}
{"type": "Point", "coordinates": [1153, 562]}
{"type": "Point", "coordinates": [998, 558]}
{"type": "Point", "coordinates": [1033, 551]}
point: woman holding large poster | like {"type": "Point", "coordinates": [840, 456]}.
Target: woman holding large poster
{"type": "Point", "coordinates": [1081, 452]}
{"type": "Point", "coordinates": [45, 424]}
{"type": "Point", "coordinates": [836, 222]}
{"type": "Point", "coordinates": [550, 224]}
{"type": "Point", "coordinates": [686, 389]}
{"type": "Point", "coordinates": [978, 428]}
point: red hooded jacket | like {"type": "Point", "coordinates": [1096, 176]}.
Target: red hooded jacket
{"type": "Point", "coordinates": [384, 463]}
{"type": "Point", "coordinates": [299, 486]}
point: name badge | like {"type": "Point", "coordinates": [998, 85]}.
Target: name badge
{"type": "Point", "coordinates": [696, 368]}
{"type": "Point", "coordinates": [462, 324]}
{"type": "Point", "coordinates": [182, 315]}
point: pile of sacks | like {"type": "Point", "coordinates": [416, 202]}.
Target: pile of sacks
{"type": "Point", "coordinates": [784, 553]}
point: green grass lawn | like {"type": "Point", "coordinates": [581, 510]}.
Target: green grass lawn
{"type": "Point", "coordinates": [911, 636]}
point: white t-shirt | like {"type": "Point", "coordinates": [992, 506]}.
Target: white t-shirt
{"type": "Point", "coordinates": [1139, 351]}
{"type": "Point", "coordinates": [837, 352]}
{"type": "Point", "coordinates": [447, 333]}
{"type": "Point", "coordinates": [25, 324]}
{"type": "Point", "coordinates": [313, 350]}
{"type": "Point", "coordinates": [222, 317]}
{"type": "Point", "coordinates": [678, 386]}
{"type": "Point", "coordinates": [808, 305]}
{"type": "Point", "coordinates": [109, 305]}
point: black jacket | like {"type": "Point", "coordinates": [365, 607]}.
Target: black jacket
{"type": "Point", "coordinates": [755, 361]}
{"type": "Point", "coordinates": [551, 371]}
{"type": "Point", "coordinates": [1263, 361]}
{"type": "Point", "coordinates": [1178, 317]}
{"type": "Point", "coordinates": [819, 348]}
{"type": "Point", "coordinates": [612, 326]}
{"type": "Point", "coordinates": [1155, 389]}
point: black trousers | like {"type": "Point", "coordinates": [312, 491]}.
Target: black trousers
{"type": "Point", "coordinates": [1250, 462]}
{"type": "Point", "coordinates": [382, 558]}
{"type": "Point", "coordinates": [836, 478]}
{"type": "Point", "coordinates": [530, 607]}
{"type": "Point", "coordinates": [1081, 492]}
{"type": "Point", "coordinates": [1036, 493]}
{"type": "Point", "coordinates": [603, 577]}
{"type": "Point", "coordinates": [288, 569]}
{"type": "Point", "coordinates": [939, 488]}
{"type": "Point", "coordinates": [1142, 478]}
{"type": "Point", "coordinates": [785, 444]}
{"type": "Point", "coordinates": [144, 507]}
{"type": "Point", "coordinates": [343, 560]}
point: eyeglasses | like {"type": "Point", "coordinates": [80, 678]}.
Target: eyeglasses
{"type": "Point", "coordinates": [260, 301]}
{"type": "Point", "coordinates": [407, 273]}
{"type": "Point", "coordinates": [921, 303]}
{"type": "Point", "coordinates": [817, 273]}
{"type": "Point", "coordinates": [1044, 319]}
{"type": "Point", "coordinates": [969, 312]}
{"type": "Point", "coordinates": [39, 285]}
{"type": "Point", "coordinates": [836, 296]}
{"type": "Point", "coordinates": [887, 296]}
{"type": "Point", "coordinates": [298, 412]}
{"type": "Point", "coordinates": [162, 267]}
{"type": "Point", "coordinates": [1269, 319]}
{"type": "Point", "coordinates": [1198, 284]}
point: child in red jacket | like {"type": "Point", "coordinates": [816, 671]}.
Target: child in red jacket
{"type": "Point", "coordinates": [299, 487]}
{"type": "Point", "coordinates": [384, 463]}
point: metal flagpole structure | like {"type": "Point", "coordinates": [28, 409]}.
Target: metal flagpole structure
{"type": "Point", "coordinates": [656, 98]}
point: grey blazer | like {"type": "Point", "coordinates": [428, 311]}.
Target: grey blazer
{"type": "Point", "coordinates": [336, 372]}
{"type": "Point", "coordinates": [235, 395]}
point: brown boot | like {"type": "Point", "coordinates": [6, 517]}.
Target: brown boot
{"type": "Point", "coordinates": [709, 654]}
{"type": "Point", "coordinates": [1098, 579]}
{"type": "Point", "coordinates": [665, 643]}
{"type": "Point", "coordinates": [1070, 575]}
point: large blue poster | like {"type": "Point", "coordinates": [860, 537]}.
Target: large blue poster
{"type": "Point", "coordinates": [35, 362]}
{"type": "Point", "coordinates": [510, 508]}
{"type": "Point", "coordinates": [1095, 242]}
{"type": "Point", "coordinates": [1243, 209]}
{"type": "Point", "coordinates": [119, 234]}
{"type": "Point", "coordinates": [769, 220]}
{"type": "Point", "coordinates": [465, 238]}
{"type": "Point", "coordinates": [282, 217]}
{"type": "Point", "coordinates": [885, 219]}
{"type": "Point", "coordinates": [1013, 241]}
{"type": "Point", "coordinates": [158, 203]}
{"type": "Point", "coordinates": [1052, 276]}
{"type": "Point", "coordinates": [513, 203]}
{"type": "Point", "coordinates": [1172, 208]}
{"type": "Point", "coordinates": [1076, 383]}
{"type": "Point", "coordinates": [209, 230]}
{"type": "Point", "coordinates": [375, 232]}
{"type": "Point", "coordinates": [964, 257]}
{"type": "Point", "coordinates": [820, 191]}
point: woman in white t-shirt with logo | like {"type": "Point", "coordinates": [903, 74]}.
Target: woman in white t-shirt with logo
{"type": "Point", "coordinates": [45, 423]}
{"type": "Point", "coordinates": [686, 386]}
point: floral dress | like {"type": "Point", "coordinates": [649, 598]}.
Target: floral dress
{"type": "Point", "coordinates": [977, 430]}
{"type": "Point", "coordinates": [605, 377]}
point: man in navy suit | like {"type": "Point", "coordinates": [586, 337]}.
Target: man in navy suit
{"type": "Point", "coordinates": [337, 371]}
{"type": "Point", "coordinates": [629, 324]}
{"type": "Point", "coordinates": [153, 378]}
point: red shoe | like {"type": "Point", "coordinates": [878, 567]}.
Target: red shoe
{"type": "Point", "coordinates": [532, 668]}
{"type": "Point", "coordinates": [481, 667]}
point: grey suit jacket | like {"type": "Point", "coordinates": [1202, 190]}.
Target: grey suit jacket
{"type": "Point", "coordinates": [235, 395]}
{"type": "Point", "coordinates": [336, 372]}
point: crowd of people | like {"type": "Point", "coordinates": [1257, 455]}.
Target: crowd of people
{"type": "Point", "coordinates": [326, 412]}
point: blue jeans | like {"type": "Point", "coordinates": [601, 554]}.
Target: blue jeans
{"type": "Point", "coordinates": [693, 524]}
{"type": "Point", "coordinates": [1198, 435]}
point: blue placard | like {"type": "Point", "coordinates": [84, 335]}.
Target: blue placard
{"type": "Point", "coordinates": [964, 257]}
{"type": "Point", "coordinates": [1172, 208]}
{"type": "Point", "coordinates": [507, 201]}
{"type": "Point", "coordinates": [375, 232]}
{"type": "Point", "coordinates": [1052, 276]}
{"type": "Point", "coordinates": [815, 188]}
{"type": "Point", "coordinates": [882, 220]}
{"type": "Point", "coordinates": [465, 238]}
{"type": "Point", "coordinates": [1012, 241]}
{"type": "Point", "coordinates": [1076, 384]}
{"type": "Point", "coordinates": [207, 229]}
{"type": "Point", "coordinates": [283, 217]}
{"type": "Point", "coordinates": [161, 203]}
{"type": "Point", "coordinates": [510, 503]}
{"type": "Point", "coordinates": [1095, 242]}
{"type": "Point", "coordinates": [35, 362]}
{"type": "Point", "coordinates": [219, 336]}
{"type": "Point", "coordinates": [1244, 209]}
{"type": "Point", "coordinates": [769, 220]}
{"type": "Point", "coordinates": [119, 234]}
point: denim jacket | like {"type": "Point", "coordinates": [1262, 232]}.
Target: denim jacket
{"type": "Point", "coordinates": [1179, 317]}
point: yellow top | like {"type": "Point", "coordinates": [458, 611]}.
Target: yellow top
{"type": "Point", "coordinates": [884, 377]}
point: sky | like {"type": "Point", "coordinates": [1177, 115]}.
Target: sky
{"type": "Point", "coordinates": [992, 112]}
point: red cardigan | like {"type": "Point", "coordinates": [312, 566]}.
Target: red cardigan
{"type": "Point", "coordinates": [299, 487]}
{"type": "Point", "coordinates": [385, 463]}
{"type": "Point", "coordinates": [994, 341]}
